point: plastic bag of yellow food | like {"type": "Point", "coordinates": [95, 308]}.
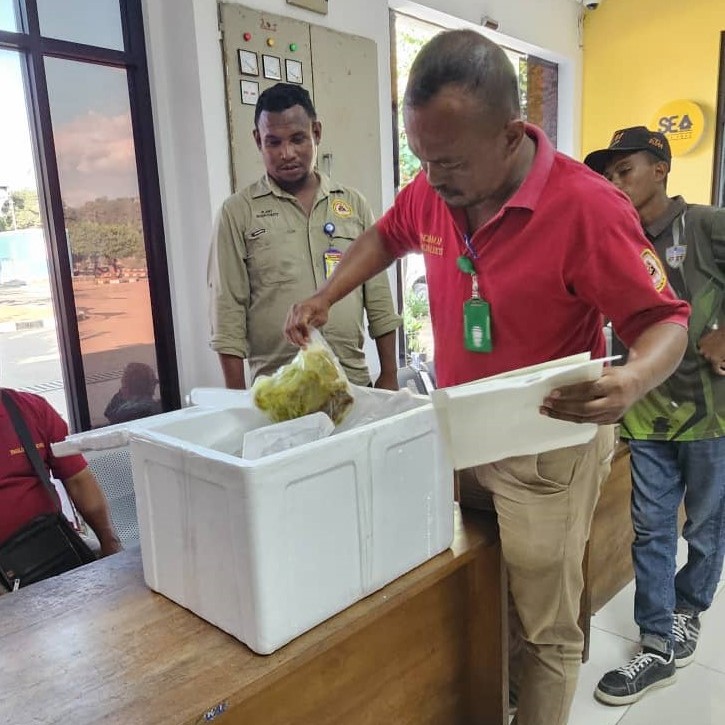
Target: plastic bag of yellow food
{"type": "Point", "coordinates": [312, 382]}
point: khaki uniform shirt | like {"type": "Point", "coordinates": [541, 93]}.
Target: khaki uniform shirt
{"type": "Point", "coordinates": [267, 254]}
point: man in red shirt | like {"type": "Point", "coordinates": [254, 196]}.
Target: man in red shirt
{"type": "Point", "coordinates": [23, 496]}
{"type": "Point", "coordinates": [525, 250]}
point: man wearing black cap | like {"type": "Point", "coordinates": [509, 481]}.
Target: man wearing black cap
{"type": "Point", "coordinates": [677, 431]}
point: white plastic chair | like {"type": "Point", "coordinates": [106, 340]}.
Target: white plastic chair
{"type": "Point", "coordinates": [112, 469]}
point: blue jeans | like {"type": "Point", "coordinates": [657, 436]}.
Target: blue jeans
{"type": "Point", "coordinates": [662, 473]}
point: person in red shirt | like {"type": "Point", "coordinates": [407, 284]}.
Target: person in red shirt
{"type": "Point", "coordinates": [24, 497]}
{"type": "Point", "coordinates": [504, 219]}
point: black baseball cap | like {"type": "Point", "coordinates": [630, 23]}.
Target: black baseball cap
{"type": "Point", "coordinates": [636, 138]}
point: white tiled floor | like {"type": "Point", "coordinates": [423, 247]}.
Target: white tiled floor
{"type": "Point", "coordinates": [698, 696]}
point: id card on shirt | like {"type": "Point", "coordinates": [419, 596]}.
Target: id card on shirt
{"type": "Point", "coordinates": [477, 325]}
{"type": "Point", "coordinates": [331, 259]}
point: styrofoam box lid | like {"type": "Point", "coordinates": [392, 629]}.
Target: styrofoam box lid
{"type": "Point", "coordinates": [117, 436]}
{"type": "Point", "coordinates": [371, 406]}
{"type": "Point", "coordinates": [499, 417]}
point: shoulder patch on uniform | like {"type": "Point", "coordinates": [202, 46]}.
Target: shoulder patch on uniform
{"type": "Point", "coordinates": [656, 270]}
{"type": "Point", "coordinates": [341, 208]}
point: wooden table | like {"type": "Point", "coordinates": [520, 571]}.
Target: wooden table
{"type": "Point", "coordinates": [96, 645]}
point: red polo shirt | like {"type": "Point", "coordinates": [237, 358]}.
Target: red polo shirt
{"type": "Point", "coordinates": [22, 495]}
{"type": "Point", "coordinates": [564, 250]}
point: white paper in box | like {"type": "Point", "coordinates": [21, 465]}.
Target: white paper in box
{"type": "Point", "coordinates": [498, 417]}
{"type": "Point", "coordinates": [267, 549]}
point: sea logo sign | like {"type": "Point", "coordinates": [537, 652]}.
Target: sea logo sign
{"type": "Point", "coordinates": [683, 124]}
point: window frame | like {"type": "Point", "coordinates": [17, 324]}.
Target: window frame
{"type": "Point", "coordinates": [33, 48]}
{"type": "Point", "coordinates": [717, 194]}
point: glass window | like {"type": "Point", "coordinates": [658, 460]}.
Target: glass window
{"type": "Point", "coordinates": [99, 187]}
{"type": "Point", "coordinates": [9, 16]}
{"type": "Point", "coordinates": [75, 297]}
{"type": "Point", "coordinates": [93, 22]}
{"type": "Point", "coordinates": [29, 352]}
{"type": "Point", "coordinates": [539, 92]}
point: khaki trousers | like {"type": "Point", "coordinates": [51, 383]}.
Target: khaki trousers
{"type": "Point", "coordinates": [545, 505]}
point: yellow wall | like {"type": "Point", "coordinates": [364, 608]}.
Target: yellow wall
{"type": "Point", "coordinates": [640, 54]}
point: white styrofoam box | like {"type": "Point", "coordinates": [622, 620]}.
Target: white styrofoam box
{"type": "Point", "coordinates": [267, 549]}
{"type": "Point", "coordinates": [498, 417]}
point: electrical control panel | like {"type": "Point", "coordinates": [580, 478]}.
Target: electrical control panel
{"type": "Point", "coordinates": [338, 69]}
{"type": "Point", "coordinates": [318, 6]}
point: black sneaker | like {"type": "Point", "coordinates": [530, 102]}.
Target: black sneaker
{"type": "Point", "coordinates": [686, 630]}
{"type": "Point", "coordinates": [627, 684]}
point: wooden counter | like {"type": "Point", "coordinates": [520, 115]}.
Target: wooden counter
{"type": "Point", "coordinates": [609, 554]}
{"type": "Point", "coordinates": [608, 557]}
{"type": "Point", "coordinates": [96, 645]}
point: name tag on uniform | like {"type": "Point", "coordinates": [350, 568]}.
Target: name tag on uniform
{"type": "Point", "coordinates": [331, 259]}
{"type": "Point", "coordinates": [675, 255]}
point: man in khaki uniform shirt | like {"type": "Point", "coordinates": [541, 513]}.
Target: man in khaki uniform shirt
{"type": "Point", "coordinates": [272, 244]}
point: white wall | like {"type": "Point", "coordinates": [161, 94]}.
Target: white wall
{"type": "Point", "coordinates": [549, 24]}
{"type": "Point", "coordinates": [187, 86]}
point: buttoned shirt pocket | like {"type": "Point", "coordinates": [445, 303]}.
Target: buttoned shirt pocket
{"type": "Point", "coordinates": [272, 257]}
{"type": "Point", "coordinates": [345, 233]}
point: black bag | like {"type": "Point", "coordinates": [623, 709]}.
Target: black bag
{"type": "Point", "coordinates": [48, 545]}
